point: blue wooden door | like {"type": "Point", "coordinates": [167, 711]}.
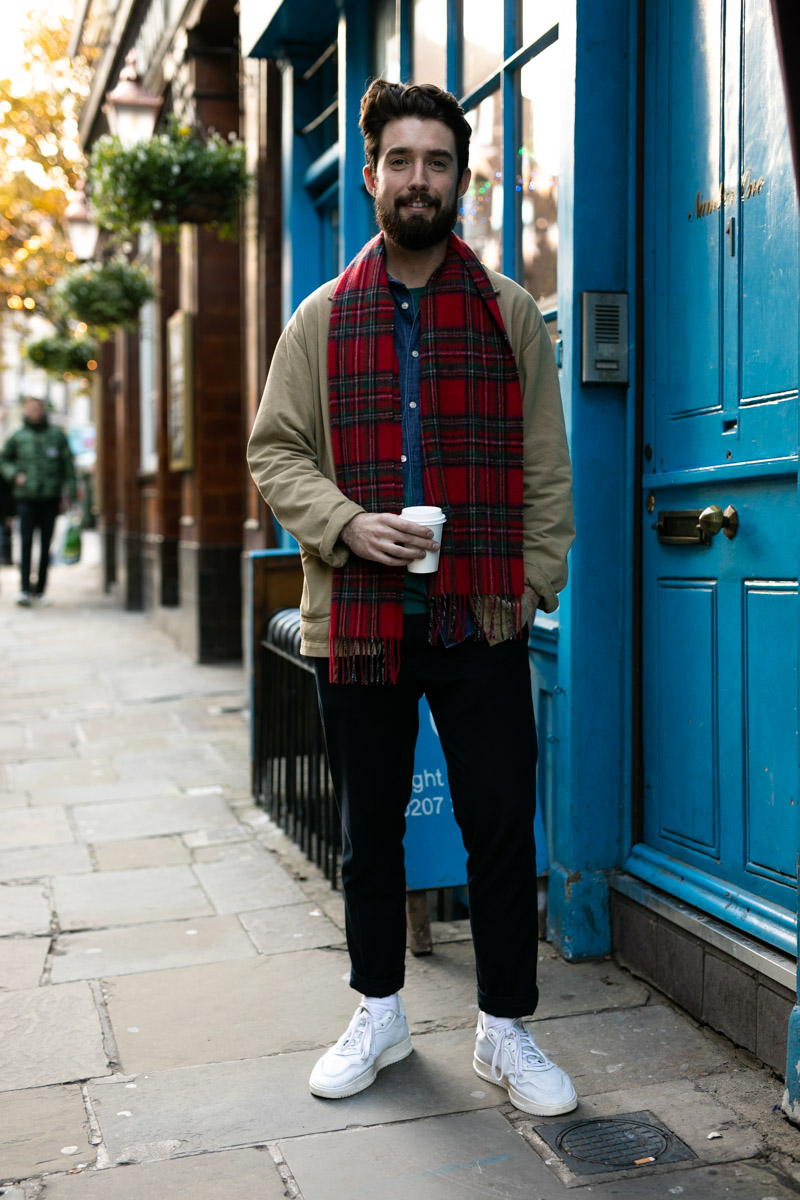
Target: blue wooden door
{"type": "Point", "coordinates": [719, 618]}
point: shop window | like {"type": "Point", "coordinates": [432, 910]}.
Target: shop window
{"type": "Point", "coordinates": [385, 41]}
{"type": "Point", "coordinates": [537, 182]}
{"type": "Point", "coordinates": [538, 16]}
{"type": "Point", "coordinates": [482, 206]}
{"type": "Point", "coordinates": [430, 41]}
{"type": "Point", "coordinates": [483, 43]}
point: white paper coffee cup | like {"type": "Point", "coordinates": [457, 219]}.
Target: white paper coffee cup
{"type": "Point", "coordinates": [430, 517]}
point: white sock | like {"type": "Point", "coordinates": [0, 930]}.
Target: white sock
{"type": "Point", "coordinates": [497, 1022]}
{"type": "Point", "coordinates": [380, 1005]}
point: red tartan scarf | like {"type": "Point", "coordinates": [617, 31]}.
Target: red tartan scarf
{"type": "Point", "coordinates": [471, 420]}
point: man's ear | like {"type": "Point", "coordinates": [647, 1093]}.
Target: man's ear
{"type": "Point", "coordinates": [463, 182]}
{"type": "Point", "coordinates": [369, 180]}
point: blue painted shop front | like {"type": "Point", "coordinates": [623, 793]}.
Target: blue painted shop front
{"type": "Point", "coordinates": [667, 690]}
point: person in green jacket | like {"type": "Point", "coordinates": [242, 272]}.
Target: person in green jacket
{"type": "Point", "coordinates": [37, 460]}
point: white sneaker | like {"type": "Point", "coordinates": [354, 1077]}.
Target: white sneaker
{"type": "Point", "coordinates": [24, 599]}
{"type": "Point", "coordinates": [509, 1058]}
{"type": "Point", "coordinates": [43, 601]}
{"type": "Point", "coordinates": [367, 1046]}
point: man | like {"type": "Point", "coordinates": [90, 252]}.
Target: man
{"type": "Point", "coordinates": [419, 377]}
{"type": "Point", "coordinates": [37, 460]}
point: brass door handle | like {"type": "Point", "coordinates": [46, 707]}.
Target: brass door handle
{"type": "Point", "coordinates": [712, 519]}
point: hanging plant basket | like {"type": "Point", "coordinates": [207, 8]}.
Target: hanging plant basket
{"type": "Point", "coordinates": [62, 354]}
{"type": "Point", "coordinates": [174, 178]}
{"type": "Point", "coordinates": [105, 295]}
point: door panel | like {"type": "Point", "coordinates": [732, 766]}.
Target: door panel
{"type": "Point", "coordinates": [721, 287]}
{"type": "Point", "coordinates": [770, 626]}
{"type": "Point", "coordinates": [685, 774]}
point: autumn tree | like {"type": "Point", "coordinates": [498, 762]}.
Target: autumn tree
{"type": "Point", "coordinates": [40, 158]}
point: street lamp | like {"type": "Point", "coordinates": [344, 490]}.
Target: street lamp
{"type": "Point", "coordinates": [131, 111]}
{"type": "Point", "coordinates": [83, 233]}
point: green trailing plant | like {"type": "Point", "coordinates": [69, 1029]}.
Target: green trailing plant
{"type": "Point", "coordinates": [174, 178]}
{"type": "Point", "coordinates": [63, 353]}
{"type": "Point", "coordinates": [104, 295]}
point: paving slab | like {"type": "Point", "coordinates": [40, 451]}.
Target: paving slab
{"type": "Point", "coordinates": [441, 1158]}
{"type": "Point", "coordinates": [24, 909]}
{"type": "Point", "coordinates": [43, 1129]}
{"type": "Point", "coordinates": [479, 1155]}
{"type": "Point", "coordinates": [128, 897]}
{"type": "Point", "coordinates": [145, 788]}
{"type": "Point", "coordinates": [22, 962]}
{"type": "Point", "coordinates": [228, 1010]}
{"type": "Point", "coordinates": [608, 1051]}
{"type": "Point", "coordinates": [130, 853]}
{"type": "Point", "coordinates": [42, 862]}
{"type": "Point", "coordinates": [246, 877]}
{"type": "Point", "coordinates": [63, 773]}
{"type": "Point", "coordinates": [25, 827]}
{"type": "Point", "coordinates": [189, 764]}
{"type": "Point", "coordinates": [222, 1105]}
{"type": "Point", "coordinates": [566, 987]}
{"type": "Point", "coordinates": [158, 946]}
{"type": "Point", "coordinates": [295, 927]}
{"type": "Point", "coordinates": [170, 813]}
{"type": "Point", "coordinates": [149, 718]}
{"type": "Point", "coordinates": [231, 1175]}
{"type": "Point", "coordinates": [176, 679]}
{"type": "Point", "coordinates": [50, 1035]}
{"type": "Point", "coordinates": [10, 799]}
{"type": "Point", "coordinates": [734, 1181]}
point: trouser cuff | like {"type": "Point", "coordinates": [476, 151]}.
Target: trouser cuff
{"type": "Point", "coordinates": [508, 1006]}
{"type": "Point", "coordinates": [376, 987]}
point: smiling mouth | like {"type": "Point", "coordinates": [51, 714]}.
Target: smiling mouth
{"type": "Point", "coordinates": [415, 205]}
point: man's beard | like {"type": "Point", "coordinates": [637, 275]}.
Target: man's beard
{"type": "Point", "coordinates": [416, 232]}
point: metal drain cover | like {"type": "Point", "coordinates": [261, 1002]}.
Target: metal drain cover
{"type": "Point", "coordinates": [603, 1144]}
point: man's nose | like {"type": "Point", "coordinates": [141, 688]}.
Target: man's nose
{"type": "Point", "coordinates": [419, 176]}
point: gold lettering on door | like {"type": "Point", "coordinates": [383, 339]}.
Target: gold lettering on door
{"type": "Point", "coordinates": [724, 196]}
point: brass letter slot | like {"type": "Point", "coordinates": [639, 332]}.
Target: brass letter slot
{"type": "Point", "coordinates": [681, 528]}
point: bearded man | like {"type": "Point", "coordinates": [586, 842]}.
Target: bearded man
{"type": "Point", "coordinates": [420, 377]}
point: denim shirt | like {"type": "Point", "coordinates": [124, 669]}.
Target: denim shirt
{"type": "Point", "coordinates": [407, 338]}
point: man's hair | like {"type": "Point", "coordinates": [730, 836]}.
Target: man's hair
{"type": "Point", "coordinates": [383, 102]}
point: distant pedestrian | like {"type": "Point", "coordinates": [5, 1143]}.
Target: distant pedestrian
{"type": "Point", "coordinates": [37, 461]}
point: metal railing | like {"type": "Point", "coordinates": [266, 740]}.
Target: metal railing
{"type": "Point", "coordinates": [291, 777]}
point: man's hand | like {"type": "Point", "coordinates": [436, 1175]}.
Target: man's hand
{"type": "Point", "coordinates": [387, 539]}
{"type": "Point", "coordinates": [20, 478]}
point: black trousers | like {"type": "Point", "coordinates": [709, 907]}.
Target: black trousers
{"type": "Point", "coordinates": [480, 698]}
{"type": "Point", "coordinates": [41, 515]}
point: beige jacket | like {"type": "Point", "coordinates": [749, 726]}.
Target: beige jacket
{"type": "Point", "coordinates": [291, 460]}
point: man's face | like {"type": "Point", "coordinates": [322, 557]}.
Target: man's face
{"type": "Point", "coordinates": [415, 182]}
{"type": "Point", "coordinates": [34, 410]}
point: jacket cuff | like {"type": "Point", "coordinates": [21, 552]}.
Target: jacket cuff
{"type": "Point", "coordinates": [332, 549]}
{"type": "Point", "coordinates": [543, 587]}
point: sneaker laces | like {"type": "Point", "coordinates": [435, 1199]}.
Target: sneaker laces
{"type": "Point", "coordinates": [524, 1053]}
{"type": "Point", "coordinates": [358, 1037]}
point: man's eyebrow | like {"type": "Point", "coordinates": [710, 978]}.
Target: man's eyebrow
{"type": "Point", "coordinates": [412, 149]}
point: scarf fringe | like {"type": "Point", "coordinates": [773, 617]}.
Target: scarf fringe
{"type": "Point", "coordinates": [364, 660]}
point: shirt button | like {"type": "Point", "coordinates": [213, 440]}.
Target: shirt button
{"type": "Point", "coordinates": [404, 304]}
{"type": "Point", "coordinates": [403, 458]}
{"type": "Point", "coordinates": [412, 404]}
{"type": "Point", "coordinates": [415, 353]}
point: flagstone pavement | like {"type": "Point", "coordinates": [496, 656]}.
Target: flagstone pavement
{"type": "Point", "coordinates": [171, 966]}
